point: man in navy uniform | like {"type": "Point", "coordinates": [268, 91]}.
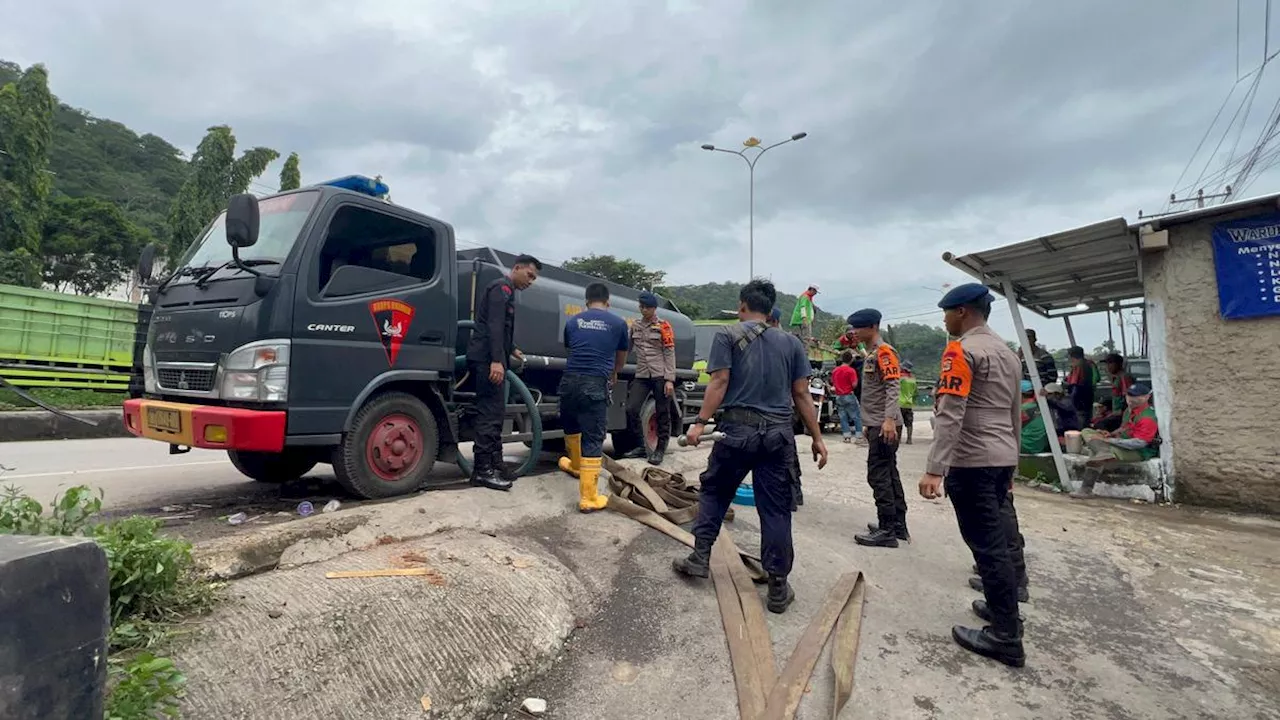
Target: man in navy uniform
{"type": "Point", "coordinates": [975, 446]}
{"type": "Point", "coordinates": [489, 353]}
{"type": "Point", "coordinates": [758, 375]}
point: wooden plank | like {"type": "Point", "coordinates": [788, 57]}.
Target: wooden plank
{"type": "Point", "coordinates": [389, 572]}
{"type": "Point", "coordinates": [746, 675]}
{"type": "Point", "coordinates": [786, 694]}
{"type": "Point", "coordinates": [844, 646]}
{"type": "Point", "coordinates": [753, 614]}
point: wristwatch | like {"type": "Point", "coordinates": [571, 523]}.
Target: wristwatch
{"type": "Point", "coordinates": [700, 421]}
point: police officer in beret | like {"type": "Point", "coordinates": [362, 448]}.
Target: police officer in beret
{"type": "Point", "coordinates": [653, 341]}
{"type": "Point", "coordinates": [759, 374]}
{"type": "Point", "coordinates": [882, 426]}
{"type": "Point", "coordinates": [975, 446]}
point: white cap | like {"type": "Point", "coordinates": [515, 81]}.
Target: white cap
{"type": "Point", "coordinates": [814, 286]}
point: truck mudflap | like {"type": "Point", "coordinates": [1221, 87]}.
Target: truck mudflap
{"type": "Point", "coordinates": [206, 426]}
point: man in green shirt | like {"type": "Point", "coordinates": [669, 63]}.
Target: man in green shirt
{"type": "Point", "coordinates": [1035, 438]}
{"type": "Point", "coordinates": [802, 316]}
{"type": "Point", "coordinates": [907, 398]}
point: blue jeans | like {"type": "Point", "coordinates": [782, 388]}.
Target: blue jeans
{"type": "Point", "coordinates": [847, 406]}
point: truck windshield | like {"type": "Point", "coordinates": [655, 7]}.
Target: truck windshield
{"type": "Point", "coordinates": [280, 221]}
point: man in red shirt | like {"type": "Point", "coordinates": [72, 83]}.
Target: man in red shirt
{"type": "Point", "coordinates": [844, 383]}
{"type": "Point", "coordinates": [1135, 441]}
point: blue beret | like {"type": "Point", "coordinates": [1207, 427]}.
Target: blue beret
{"type": "Point", "coordinates": [963, 295]}
{"type": "Point", "coordinates": [1138, 390]}
{"type": "Point", "coordinates": [864, 318]}
{"type": "Point", "coordinates": [776, 314]}
{"type": "Point", "coordinates": [648, 299]}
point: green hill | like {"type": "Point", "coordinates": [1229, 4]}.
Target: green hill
{"type": "Point", "coordinates": [93, 157]}
{"type": "Point", "coordinates": [706, 301]}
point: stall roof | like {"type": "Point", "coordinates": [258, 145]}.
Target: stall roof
{"type": "Point", "coordinates": [1096, 264]}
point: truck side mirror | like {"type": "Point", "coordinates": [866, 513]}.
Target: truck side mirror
{"type": "Point", "coordinates": [242, 220]}
{"type": "Point", "coordinates": [146, 263]}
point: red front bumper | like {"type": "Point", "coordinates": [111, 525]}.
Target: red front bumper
{"type": "Point", "coordinates": [206, 426]}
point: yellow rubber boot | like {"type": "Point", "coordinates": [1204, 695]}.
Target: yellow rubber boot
{"type": "Point", "coordinates": [572, 463]}
{"type": "Point", "coordinates": [591, 499]}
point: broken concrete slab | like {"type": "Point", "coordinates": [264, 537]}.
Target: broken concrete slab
{"type": "Point", "coordinates": [27, 425]}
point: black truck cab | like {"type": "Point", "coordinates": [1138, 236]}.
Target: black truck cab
{"type": "Point", "coordinates": [322, 325]}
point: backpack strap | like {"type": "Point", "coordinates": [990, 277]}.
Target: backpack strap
{"type": "Point", "coordinates": [743, 334]}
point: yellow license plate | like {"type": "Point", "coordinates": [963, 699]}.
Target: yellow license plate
{"type": "Point", "coordinates": [164, 420]}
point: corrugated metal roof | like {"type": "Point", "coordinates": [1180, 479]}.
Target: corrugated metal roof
{"type": "Point", "coordinates": [1096, 264]}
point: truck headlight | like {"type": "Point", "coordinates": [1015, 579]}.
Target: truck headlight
{"type": "Point", "coordinates": [149, 370]}
{"type": "Point", "coordinates": [258, 372]}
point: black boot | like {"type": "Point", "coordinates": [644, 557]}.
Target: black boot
{"type": "Point", "coordinates": [901, 532]}
{"type": "Point", "coordinates": [657, 456]}
{"type": "Point", "coordinates": [988, 642]}
{"type": "Point", "coordinates": [780, 594]}
{"type": "Point", "coordinates": [698, 563]}
{"type": "Point", "coordinates": [1023, 594]}
{"type": "Point", "coordinates": [879, 538]}
{"type": "Point", "coordinates": [484, 475]}
{"type": "Point", "coordinates": [635, 453]}
{"type": "Point", "coordinates": [980, 609]}
{"type": "Point", "coordinates": [506, 471]}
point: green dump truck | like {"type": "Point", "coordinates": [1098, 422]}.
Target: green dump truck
{"type": "Point", "coordinates": [51, 339]}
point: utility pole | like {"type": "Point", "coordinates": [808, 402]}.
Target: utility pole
{"type": "Point", "coordinates": [1200, 197]}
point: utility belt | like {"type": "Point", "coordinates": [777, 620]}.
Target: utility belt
{"type": "Point", "coordinates": [752, 418]}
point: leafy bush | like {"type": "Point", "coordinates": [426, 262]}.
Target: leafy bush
{"type": "Point", "coordinates": [153, 581]}
{"type": "Point", "coordinates": [147, 687]}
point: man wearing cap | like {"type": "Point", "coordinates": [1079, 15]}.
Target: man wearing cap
{"type": "Point", "coordinates": [758, 376]}
{"type": "Point", "coordinates": [803, 314]}
{"type": "Point", "coordinates": [881, 423]}
{"type": "Point", "coordinates": [975, 445]}
{"type": "Point", "coordinates": [654, 343]}
{"type": "Point", "coordinates": [1135, 441]}
{"type": "Point", "coordinates": [775, 318]}
{"type": "Point", "coordinates": [1064, 415]}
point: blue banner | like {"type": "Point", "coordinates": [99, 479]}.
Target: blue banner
{"type": "Point", "coordinates": [1246, 256]}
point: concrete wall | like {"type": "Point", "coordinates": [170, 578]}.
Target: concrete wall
{"type": "Point", "coordinates": [1223, 378]}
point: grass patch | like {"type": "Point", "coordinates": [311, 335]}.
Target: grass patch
{"type": "Point", "coordinates": [63, 398]}
{"type": "Point", "coordinates": [153, 585]}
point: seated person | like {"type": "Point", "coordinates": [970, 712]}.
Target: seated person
{"type": "Point", "coordinates": [1035, 438]}
{"type": "Point", "coordinates": [1104, 418]}
{"type": "Point", "coordinates": [1065, 416]}
{"type": "Point", "coordinates": [1135, 440]}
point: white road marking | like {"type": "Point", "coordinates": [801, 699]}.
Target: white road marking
{"type": "Point", "coordinates": [6, 478]}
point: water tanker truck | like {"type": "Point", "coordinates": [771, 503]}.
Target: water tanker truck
{"type": "Point", "coordinates": [327, 325]}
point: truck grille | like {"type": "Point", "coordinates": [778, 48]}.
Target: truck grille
{"type": "Point", "coordinates": [186, 379]}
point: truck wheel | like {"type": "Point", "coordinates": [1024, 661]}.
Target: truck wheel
{"type": "Point", "coordinates": [273, 467]}
{"type": "Point", "coordinates": [393, 442]}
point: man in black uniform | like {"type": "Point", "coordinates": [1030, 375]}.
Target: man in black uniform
{"type": "Point", "coordinates": [758, 374]}
{"type": "Point", "coordinates": [489, 353]}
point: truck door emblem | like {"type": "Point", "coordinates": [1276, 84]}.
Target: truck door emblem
{"type": "Point", "coordinates": [391, 319]}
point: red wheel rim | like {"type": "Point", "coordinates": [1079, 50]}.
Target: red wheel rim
{"type": "Point", "coordinates": [394, 447]}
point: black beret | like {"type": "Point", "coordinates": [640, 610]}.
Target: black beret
{"type": "Point", "coordinates": [964, 295]}
{"type": "Point", "coordinates": [864, 318]}
{"type": "Point", "coordinates": [648, 299]}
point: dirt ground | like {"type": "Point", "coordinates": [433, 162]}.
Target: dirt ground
{"type": "Point", "coordinates": [1136, 612]}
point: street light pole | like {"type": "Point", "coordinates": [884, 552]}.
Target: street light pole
{"type": "Point", "coordinates": [751, 170]}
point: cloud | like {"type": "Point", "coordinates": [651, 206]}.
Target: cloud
{"type": "Point", "coordinates": [567, 127]}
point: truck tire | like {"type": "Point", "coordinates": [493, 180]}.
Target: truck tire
{"type": "Point", "coordinates": [393, 443]}
{"type": "Point", "coordinates": [273, 467]}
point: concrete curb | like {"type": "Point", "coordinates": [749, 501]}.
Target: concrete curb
{"type": "Point", "coordinates": [28, 425]}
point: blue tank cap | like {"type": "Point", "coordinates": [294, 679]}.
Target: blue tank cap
{"type": "Point", "coordinates": [361, 184]}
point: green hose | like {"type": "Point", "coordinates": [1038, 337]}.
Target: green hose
{"type": "Point", "coordinates": [513, 382]}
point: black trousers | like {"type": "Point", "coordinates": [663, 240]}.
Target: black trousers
{"type": "Point", "coordinates": [885, 482]}
{"type": "Point", "coordinates": [765, 451]}
{"type": "Point", "coordinates": [979, 496]}
{"type": "Point", "coordinates": [1014, 534]}
{"type": "Point", "coordinates": [584, 410]}
{"type": "Point", "coordinates": [638, 390]}
{"type": "Point", "coordinates": [490, 409]}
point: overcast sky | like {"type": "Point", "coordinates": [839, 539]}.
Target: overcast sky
{"type": "Point", "coordinates": [575, 127]}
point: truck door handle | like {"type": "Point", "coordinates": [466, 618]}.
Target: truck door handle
{"type": "Point", "coordinates": [431, 337]}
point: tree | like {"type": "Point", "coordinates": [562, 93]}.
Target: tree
{"type": "Point", "coordinates": [26, 131]}
{"type": "Point", "coordinates": [215, 175]}
{"type": "Point", "coordinates": [921, 344]}
{"type": "Point", "coordinates": [619, 270]}
{"type": "Point", "coordinates": [88, 245]}
{"type": "Point", "coordinates": [290, 175]}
